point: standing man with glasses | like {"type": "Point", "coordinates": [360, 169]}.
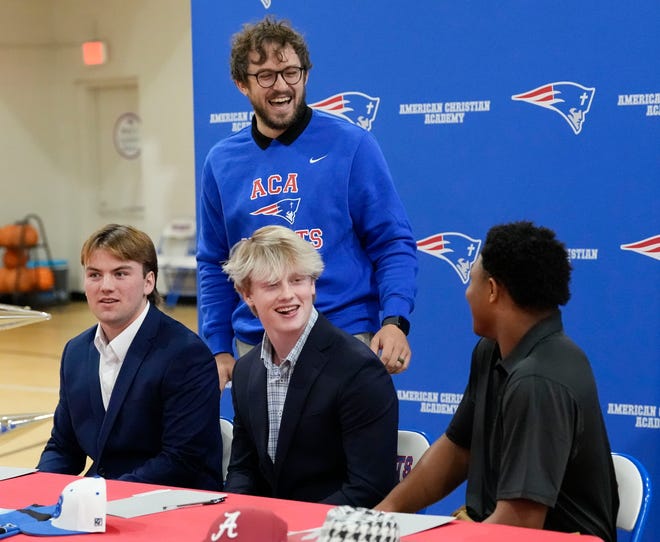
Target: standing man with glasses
{"type": "Point", "coordinates": [319, 175]}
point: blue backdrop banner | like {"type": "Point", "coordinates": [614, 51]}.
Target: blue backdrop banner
{"type": "Point", "coordinates": [489, 112]}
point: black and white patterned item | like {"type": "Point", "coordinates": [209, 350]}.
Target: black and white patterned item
{"type": "Point", "coordinates": [349, 524]}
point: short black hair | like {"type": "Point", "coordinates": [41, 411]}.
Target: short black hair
{"type": "Point", "coordinates": [530, 262]}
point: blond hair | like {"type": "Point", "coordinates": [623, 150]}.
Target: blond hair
{"type": "Point", "coordinates": [268, 254]}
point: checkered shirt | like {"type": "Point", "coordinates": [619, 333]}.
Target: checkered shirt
{"type": "Point", "coordinates": [278, 378]}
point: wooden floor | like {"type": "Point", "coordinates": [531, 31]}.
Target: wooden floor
{"type": "Point", "coordinates": [29, 369]}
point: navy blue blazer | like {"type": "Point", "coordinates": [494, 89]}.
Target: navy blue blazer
{"type": "Point", "coordinates": [161, 426]}
{"type": "Point", "coordinates": [338, 434]}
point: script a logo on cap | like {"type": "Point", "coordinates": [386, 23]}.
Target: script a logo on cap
{"type": "Point", "coordinates": [228, 528]}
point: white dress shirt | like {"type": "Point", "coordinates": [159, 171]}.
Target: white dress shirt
{"type": "Point", "coordinates": [112, 354]}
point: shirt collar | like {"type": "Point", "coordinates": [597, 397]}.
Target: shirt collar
{"type": "Point", "coordinates": [548, 326]}
{"type": "Point", "coordinates": [289, 135]}
{"type": "Point", "coordinates": [291, 357]}
{"type": "Point", "coordinates": [122, 342]}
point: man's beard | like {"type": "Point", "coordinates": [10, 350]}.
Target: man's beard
{"type": "Point", "coordinates": [284, 124]}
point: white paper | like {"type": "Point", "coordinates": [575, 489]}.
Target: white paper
{"type": "Point", "coordinates": [13, 472]}
{"type": "Point", "coordinates": [161, 500]}
{"type": "Point", "coordinates": [415, 523]}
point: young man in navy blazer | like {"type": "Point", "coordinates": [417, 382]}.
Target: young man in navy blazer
{"type": "Point", "coordinates": [139, 391]}
{"type": "Point", "coordinates": [316, 413]}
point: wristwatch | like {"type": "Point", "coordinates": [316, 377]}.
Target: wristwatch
{"type": "Point", "coordinates": [399, 321]}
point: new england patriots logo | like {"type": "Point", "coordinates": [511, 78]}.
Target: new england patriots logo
{"type": "Point", "coordinates": [355, 107]}
{"type": "Point", "coordinates": [457, 249]}
{"type": "Point", "coordinates": [647, 247]}
{"type": "Point", "coordinates": [571, 100]}
{"type": "Point", "coordinates": [285, 209]}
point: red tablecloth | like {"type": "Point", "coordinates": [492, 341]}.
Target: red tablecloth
{"type": "Point", "coordinates": [191, 524]}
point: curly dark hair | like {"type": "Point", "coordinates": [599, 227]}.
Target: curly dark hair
{"type": "Point", "coordinates": [254, 37]}
{"type": "Point", "coordinates": [530, 262]}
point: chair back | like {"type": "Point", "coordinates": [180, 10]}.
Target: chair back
{"type": "Point", "coordinates": [411, 446]}
{"type": "Point", "coordinates": [176, 259]}
{"type": "Point", "coordinates": [227, 432]}
{"type": "Point", "coordinates": [178, 238]}
{"type": "Point", "coordinates": [634, 494]}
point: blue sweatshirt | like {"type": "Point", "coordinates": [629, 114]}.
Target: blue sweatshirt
{"type": "Point", "coordinates": [330, 184]}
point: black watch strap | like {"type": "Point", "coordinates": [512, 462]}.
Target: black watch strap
{"type": "Point", "coordinates": [399, 321]}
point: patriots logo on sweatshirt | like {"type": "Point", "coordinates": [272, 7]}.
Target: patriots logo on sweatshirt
{"type": "Point", "coordinates": [571, 100]}
{"type": "Point", "coordinates": [284, 208]}
{"type": "Point", "coordinates": [355, 107]}
{"type": "Point", "coordinates": [457, 249]}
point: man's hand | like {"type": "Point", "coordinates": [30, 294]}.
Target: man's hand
{"type": "Point", "coordinates": [391, 345]}
{"type": "Point", "coordinates": [225, 363]}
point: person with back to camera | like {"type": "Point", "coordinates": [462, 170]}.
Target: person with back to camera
{"type": "Point", "coordinates": [315, 411]}
{"type": "Point", "coordinates": [323, 177]}
{"type": "Point", "coordinates": [528, 435]}
{"type": "Point", "coordinates": [138, 391]}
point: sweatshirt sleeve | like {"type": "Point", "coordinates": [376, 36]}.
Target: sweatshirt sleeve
{"type": "Point", "coordinates": [382, 224]}
{"type": "Point", "coordinates": [218, 299]}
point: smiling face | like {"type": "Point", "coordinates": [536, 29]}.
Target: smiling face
{"type": "Point", "coordinates": [283, 306]}
{"type": "Point", "coordinates": [116, 290]}
{"type": "Point", "coordinates": [278, 107]}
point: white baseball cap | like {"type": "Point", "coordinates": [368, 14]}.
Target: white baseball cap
{"type": "Point", "coordinates": [81, 508]}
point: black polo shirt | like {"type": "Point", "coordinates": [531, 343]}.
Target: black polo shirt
{"type": "Point", "coordinates": [534, 428]}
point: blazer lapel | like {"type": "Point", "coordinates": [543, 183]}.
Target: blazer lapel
{"type": "Point", "coordinates": [93, 382]}
{"type": "Point", "coordinates": [308, 368]}
{"type": "Point", "coordinates": [135, 356]}
{"type": "Point", "coordinates": [256, 391]}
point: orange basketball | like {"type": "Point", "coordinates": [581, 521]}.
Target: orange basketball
{"type": "Point", "coordinates": [7, 234]}
{"type": "Point", "coordinates": [15, 257]}
{"type": "Point", "coordinates": [19, 235]}
{"type": "Point", "coordinates": [4, 281]}
{"type": "Point", "coordinates": [25, 279]}
{"type": "Point", "coordinates": [8, 280]}
{"type": "Point", "coordinates": [44, 278]}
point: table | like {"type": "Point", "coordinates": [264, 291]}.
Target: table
{"type": "Point", "coordinates": [193, 523]}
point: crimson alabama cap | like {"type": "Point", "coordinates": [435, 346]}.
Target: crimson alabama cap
{"type": "Point", "coordinates": [247, 525]}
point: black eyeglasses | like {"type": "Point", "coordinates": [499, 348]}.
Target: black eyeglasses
{"type": "Point", "coordinates": [267, 78]}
